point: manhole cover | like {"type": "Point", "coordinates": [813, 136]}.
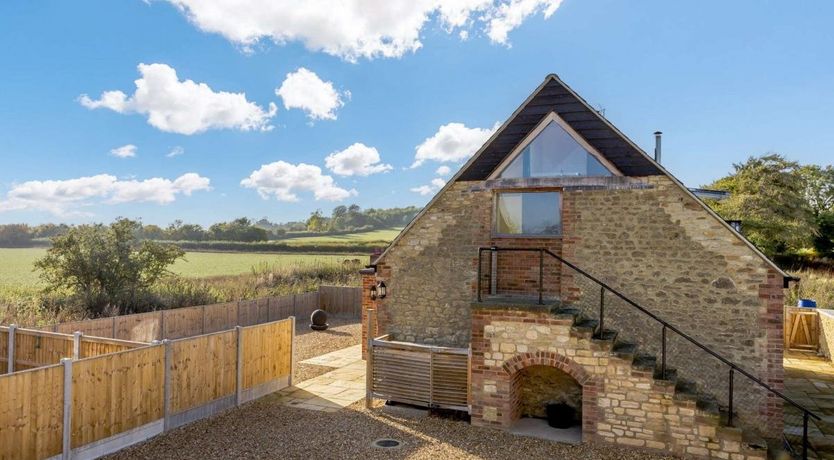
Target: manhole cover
{"type": "Point", "coordinates": [386, 443]}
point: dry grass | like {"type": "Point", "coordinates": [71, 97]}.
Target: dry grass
{"type": "Point", "coordinates": [815, 284]}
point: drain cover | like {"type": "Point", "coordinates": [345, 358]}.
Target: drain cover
{"type": "Point", "coordinates": [386, 443]}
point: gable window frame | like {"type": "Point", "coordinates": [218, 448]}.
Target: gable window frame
{"type": "Point", "coordinates": [526, 190]}
{"type": "Point", "coordinates": [532, 135]}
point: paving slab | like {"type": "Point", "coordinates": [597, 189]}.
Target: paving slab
{"type": "Point", "coordinates": [332, 391]}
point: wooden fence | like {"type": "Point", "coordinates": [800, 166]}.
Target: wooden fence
{"type": "Point", "coordinates": [801, 329]}
{"type": "Point", "coordinates": [417, 374]}
{"type": "Point", "coordinates": [190, 321]}
{"type": "Point", "coordinates": [31, 348]}
{"type": "Point", "coordinates": [90, 407]}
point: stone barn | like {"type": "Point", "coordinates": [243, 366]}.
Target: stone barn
{"type": "Point", "coordinates": [563, 270]}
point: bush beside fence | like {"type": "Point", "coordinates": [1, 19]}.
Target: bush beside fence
{"type": "Point", "coordinates": [94, 406]}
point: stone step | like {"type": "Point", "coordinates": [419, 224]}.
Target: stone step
{"type": "Point", "coordinates": [624, 350]}
{"type": "Point", "coordinates": [671, 375]}
{"type": "Point", "coordinates": [585, 327]}
{"type": "Point", "coordinates": [644, 362]}
{"type": "Point", "coordinates": [568, 313]}
{"type": "Point", "coordinates": [686, 390]}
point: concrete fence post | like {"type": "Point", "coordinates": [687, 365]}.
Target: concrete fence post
{"type": "Point", "coordinates": [161, 324]}
{"type": "Point", "coordinates": [369, 363]}
{"type": "Point", "coordinates": [238, 314]}
{"type": "Point", "coordinates": [113, 334]}
{"type": "Point", "coordinates": [76, 345]}
{"type": "Point", "coordinates": [166, 389]}
{"type": "Point", "coordinates": [66, 451]}
{"type": "Point", "coordinates": [203, 309]}
{"type": "Point", "coordinates": [292, 350]}
{"type": "Point", "coordinates": [239, 379]}
{"type": "Point", "coordinates": [11, 349]}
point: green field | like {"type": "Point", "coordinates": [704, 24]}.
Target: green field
{"type": "Point", "coordinates": [387, 235]}
{"type": "Point", "coordinates": [16, 264]}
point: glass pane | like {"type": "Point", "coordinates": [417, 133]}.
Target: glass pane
{"type": "Point", "coordinates": [540, 214]}
{"type": "Point", "coordinates": [554, 153]}
{"type": "Point", "coordinates": [532, 213]}
{"type": "Point", "coordinates": [508, 214]}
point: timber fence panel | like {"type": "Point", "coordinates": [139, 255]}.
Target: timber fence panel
{"type": "Point", "coordinates": [266, 358]}
{"type": "Point", "coordinates": [31, 413]}
{"type": "Point", "coordinates": [182, 322]}
{"type": "Point", "coordinates": [116, 393]}
{"type": "Point", "coordinates": [39, 348]}
{"type": "Point", "coordinates": [262, 306]}
{"type": "Point", "coordinates": [305, 304]}
{"type": "Point", "coordinates": [341, 300]}
{"type": "Point", "coordinates": [141, 327]}
{"type": "Point", "coordinates": [96, 346]}
{"type": "Point", "coordinates": [247, 313]}
{"type": "Point", "coordinates": [220, 316]}
{"type": "Point", "coordinates": [280, 307]}
{"type": "Point", "coordinates": [101, 327]}
{"type": "Point", "coordinates": [203, 376]}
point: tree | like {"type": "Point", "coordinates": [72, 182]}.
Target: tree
{"type": "Point", "coordinates": [15, 235]}
{"type": "Point", "coordinates": [106, 266]}
{"type": "Point", "coordinates": [240, 229]}
{"type": "Point", "coordinates": [767, 194]}
{"type": "Point", "coordinates": [316, 222]}
{"type": "Point", "coordinates": [818, 187]}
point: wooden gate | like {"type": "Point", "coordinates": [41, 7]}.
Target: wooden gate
{"type": "Point", "coordinates": [801, 329]}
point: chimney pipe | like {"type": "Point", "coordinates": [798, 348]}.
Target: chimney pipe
{"type": "Point", "coordinates": [657, 135]}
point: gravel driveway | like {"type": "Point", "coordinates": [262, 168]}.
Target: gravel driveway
{"type": "Point", "coordinates": [265, 429]}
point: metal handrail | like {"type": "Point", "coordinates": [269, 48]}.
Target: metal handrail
{"type": "Point", "coordinates": [666, 325]}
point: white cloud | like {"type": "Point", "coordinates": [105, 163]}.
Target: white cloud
{"type": "Point", "coordinates": [304, 90]}
{"type": "Point", "coordinates": [125, 151]}
{"type": "Point", "coordinates": [443, 171]}
{"type": "Point", "coordinates": [453, 142]}
{"type": "Point", "coordinates": [282, 180]}
{"type": "Point", "coordinates": [66, 197]}
{"type": "Point", "coordinates": [434, 186]}
{"type": "Point", "coordinates": [183, 107]}
{"type": "Point", "coordinates": [353, 29]}
{"type": "Point", "coordinates": [175, 152]}
{"type": "Point", "coordinates": [509, 15]}
{"type": "Point", "coordinates": [356, 160]}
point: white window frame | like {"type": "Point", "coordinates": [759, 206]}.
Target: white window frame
{"type": "Point", "coordinates": [553, 117]}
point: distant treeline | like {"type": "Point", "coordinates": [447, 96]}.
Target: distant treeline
{"type": "Point", "coordinates": [343, 219]}
{"type": "Point", "coordinates": [276, 246]}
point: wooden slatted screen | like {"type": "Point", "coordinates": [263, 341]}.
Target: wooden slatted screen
{"type": "Point", "coordinates": [422, 375]}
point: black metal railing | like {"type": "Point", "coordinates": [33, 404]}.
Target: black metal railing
{"type": "Point", "coordinates": [733, 368]}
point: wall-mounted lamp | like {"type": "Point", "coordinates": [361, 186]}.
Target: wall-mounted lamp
{"type": "Point", "coordinates": [382, 291]}
{"type": "Point", "coordinates": [373, 292]}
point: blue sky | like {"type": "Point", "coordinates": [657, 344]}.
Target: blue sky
{"type": "Point", "coordinates": [722, 80]}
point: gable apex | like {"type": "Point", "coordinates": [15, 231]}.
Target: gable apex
{"type": "Point", "coordinates": [554, 96]}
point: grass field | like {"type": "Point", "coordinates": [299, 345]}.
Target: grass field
{"type": "Point", "coordinates": [16, 264]}
{"type": "Point", "coordinates": [386, 235]}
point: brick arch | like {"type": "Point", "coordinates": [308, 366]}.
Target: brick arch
{"type": "Point", "coordinates": [591, 384]}
{"type": "Point", "coordinates": [547, 358]}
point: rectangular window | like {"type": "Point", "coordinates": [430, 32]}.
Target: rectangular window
{"type": "Point", "coordinates": [528, 213]}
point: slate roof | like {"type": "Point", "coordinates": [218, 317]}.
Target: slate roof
{"type": "Point", "coordinates": [555, 96]}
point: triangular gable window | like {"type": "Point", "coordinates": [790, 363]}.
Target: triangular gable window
{"type": "Point", "coordinates": [554, 152]}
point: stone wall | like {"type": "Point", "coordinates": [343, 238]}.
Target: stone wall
{"type": "Point", "coordinates": [620, 403]}
{"type": "Point", "coordinates": [431, 272]}
{"type": "Point", "coordinates": [659, 247]}
{"type": "Point", "coordinates": [826, 335]}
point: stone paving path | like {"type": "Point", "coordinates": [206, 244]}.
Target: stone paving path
{"type": "Point", "coordinates": [809, 380]}
{"type": "Point", "coordinates": [330, 392]}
